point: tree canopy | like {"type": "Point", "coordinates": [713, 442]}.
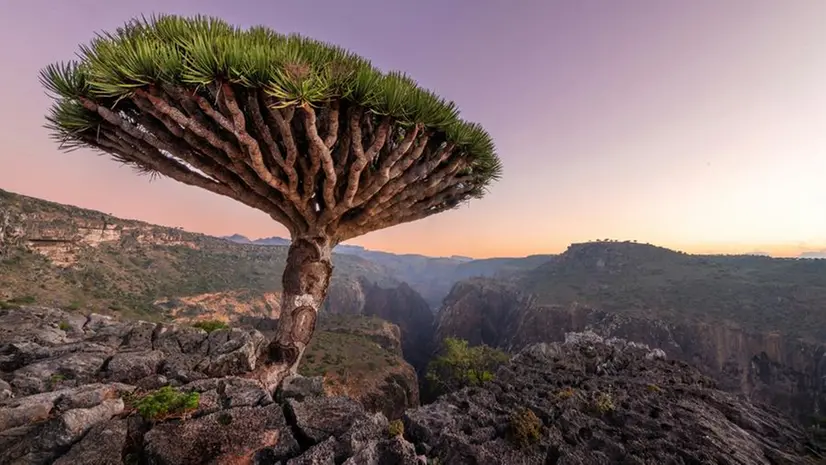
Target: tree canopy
{"type": "Point", "coordinates": [306, 131]}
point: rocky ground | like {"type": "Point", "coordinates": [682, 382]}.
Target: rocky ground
{"type": "Point", "coordinates": [70, 386]}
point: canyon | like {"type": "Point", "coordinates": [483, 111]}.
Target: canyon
{"type": "Point", "coordinates": [754, 324]}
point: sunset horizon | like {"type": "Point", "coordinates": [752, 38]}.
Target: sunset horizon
{"type": "Point", "coordinates": [693, 127]}
{"type": "Point", "coordinates": [772, 250]}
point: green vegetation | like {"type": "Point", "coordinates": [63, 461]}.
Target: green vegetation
{"type": "Point", "coordinates": [758, 293]}
{"type": "Point", "coordinates": [653, 388]}
{"type": "Point", "coordinates": [166, 402]}
{"type": "Point", "coordinates": [64, 325]}
{"type": "Point", "coordinates": [604, 403]}
{"type": "Point", "coordinates": [210, 325]}
{"type": "Point", "coordinates": [524, 428]}
{"type": "Point", "coordinates": [200, 53]}
{"type": "Point", "coordinates": [23, 300]}
{"type": "Point", "coordinates": [56, 379]}
{"type": "Point", "coordinates": [395, 428]}
{"type": "Point", "coordinates": [459, 366]}
{"type": "Point", "coordinates": [566, 393]}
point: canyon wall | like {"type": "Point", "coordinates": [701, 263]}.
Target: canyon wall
{"type": "Point", "coordinates": [767, 367]}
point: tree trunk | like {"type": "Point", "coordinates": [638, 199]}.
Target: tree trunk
{"type": "Point", "coordinates": [304, 286]}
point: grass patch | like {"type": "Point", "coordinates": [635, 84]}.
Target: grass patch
{"type": "Point", "coordinates": [23, 300]}
{"type": "Point", "coordinates": [166, 402]}
{"type": "Point", "coordinates": [210, 325]}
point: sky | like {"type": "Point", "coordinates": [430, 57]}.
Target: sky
{"type": "Point", "coordinates": [698, 125]}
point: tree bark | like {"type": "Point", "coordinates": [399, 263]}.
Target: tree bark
{"type": "Point", "coordinates": [304, 286]}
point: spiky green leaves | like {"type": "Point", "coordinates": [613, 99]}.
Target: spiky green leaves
{"type": "Point", "coordinates": [294, 70]}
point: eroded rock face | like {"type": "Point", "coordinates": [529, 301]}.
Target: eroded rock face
{"type": "Point", "coordinates": [784, 372]}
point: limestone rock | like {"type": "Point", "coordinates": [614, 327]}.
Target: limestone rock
{"type": "Point", "coordinates": [321, 417]}
{"type": "Point", "coordinates": [229, 436]}
{"type": "Point", "coordinates": [102, 445]}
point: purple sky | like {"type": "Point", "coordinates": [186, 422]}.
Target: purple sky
{"type": "Point", "coordinates": [699, 125]}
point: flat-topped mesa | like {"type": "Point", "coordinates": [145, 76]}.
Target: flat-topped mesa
{"type": "Point", "coordinates": [307, 132]}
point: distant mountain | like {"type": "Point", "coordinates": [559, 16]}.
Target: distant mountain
{"type": "Point", "coordinates": [818, 254]}
{"type": "Point", "coordinates": [432, 277]}
{"type": "Point", "coordinates": [238, 239]}
{"type": "Point", "coordinates": [757, 293]}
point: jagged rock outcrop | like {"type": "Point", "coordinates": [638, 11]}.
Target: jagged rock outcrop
{"type": "Point", "coordinates": [596, 401]}
{"type": "Point", "coordinates": [43, 350]}
{"type": "Point", "coordinates": [767, 367]}
{"type": "Point", "coordinates": [585, 401]}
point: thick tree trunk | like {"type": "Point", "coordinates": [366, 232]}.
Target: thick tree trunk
{"type": "Point", "coordinates": [304, 283]}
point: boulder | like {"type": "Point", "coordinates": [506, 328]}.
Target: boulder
{"type": "Point", "coordinates": [234, 435]}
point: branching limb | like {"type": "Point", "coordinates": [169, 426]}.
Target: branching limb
{"type": "Point", "coordinates": [320, 153]}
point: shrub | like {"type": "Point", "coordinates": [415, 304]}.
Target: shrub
{"type": "Point", "coordinates": [24, 300]}
{"type": "Point", "coordinates": [460, 366]}
{"type": "Point", "coordinates": [55, 379]}
{"type": "Point", "coordinates": [165, 402]}
{"type": "Point", "coordinates": [653, 388]}
{"type": "Point", "coordinates": [566, 393]}
{"type": "Point", "coordinates": [523, 428]}
{"type": "Point", "coordinates": [396, 428]}
{"type": "Point", "coordinates": [604, 403]}
{"type": "Point", "coordinates": [64, 325]}
{"type": "Point", "coordinates": [210, 325]}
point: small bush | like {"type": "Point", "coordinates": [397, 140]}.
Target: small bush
{"type": "Point", "coordinates": [8, 305]}
{"type": "Point", "coordinates": [210, 325]}
{"type": "Point", "coordinates": [74, 305]}
{"type": "Point", "coordinates": [166, 401]}
{"type": "Point", "coordinates": [523, 428]}
{"type": "Point", "coordinates": [604, 403]}
{"type": "Point", "coordinates": [64, 325]}
{"type": "Point", "coordinates": [566, 393]}
{"type": "Point", "coordinates": [55, 379]}
{"type": "Point", "coordinates": [23, 300]}
{"type": "Point", "coordinates": [396, 428]}
{"type": "Point", "coordinates": [653, 388]}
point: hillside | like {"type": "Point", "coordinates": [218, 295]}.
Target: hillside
{"type": "Point", "coordinates": [755, 292]}
{"type": "Point", "coordinates": [74, 258]}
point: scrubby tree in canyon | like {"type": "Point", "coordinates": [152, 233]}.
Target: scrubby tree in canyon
{"type": "Point", "coordinates": [309, 133]}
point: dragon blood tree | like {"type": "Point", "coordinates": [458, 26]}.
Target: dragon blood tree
{"type": "Point", "coordinates": [307, 132]}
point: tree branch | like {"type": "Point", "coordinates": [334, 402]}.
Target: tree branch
{"type": "Point", "coordinates": [320, 150]}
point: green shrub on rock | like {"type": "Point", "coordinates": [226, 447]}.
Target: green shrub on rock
{"type": "Point", "coordinates": [210, 325]}
{"type": "Point", "coordinates": [166, 402]}
{"type": "Point", "coordinates": [459, 366]}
